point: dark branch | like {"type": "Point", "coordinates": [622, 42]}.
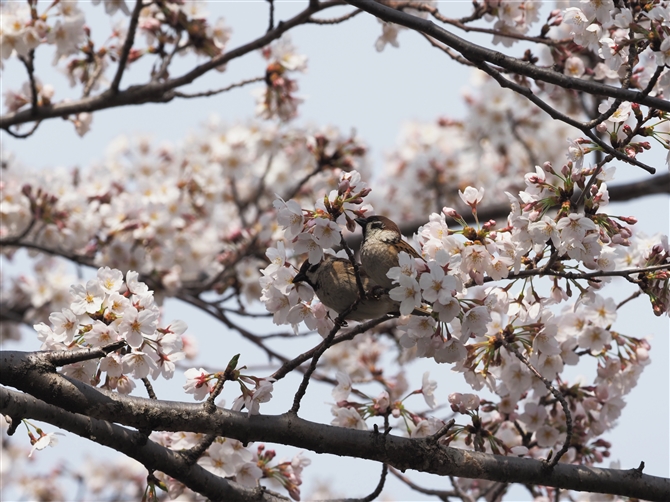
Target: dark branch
{"type": "Point", "coordinates": [402, 453]}
{"type": "Point", "coordinates": [477, 53]}
{"type": "Point", "coordinates": [127, 45]}
{"type": "Point", "coordinates": [135, 445]}
{"type": "Point", "coordinates": [159, 92]}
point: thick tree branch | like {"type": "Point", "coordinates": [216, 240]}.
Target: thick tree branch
{"type": "Point", "coordinates": [135, 445]}
{"type": "Point", "coordinates": [26, 372]}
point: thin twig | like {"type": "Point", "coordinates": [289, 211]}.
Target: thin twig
{"type": "Point", "coordinates": [555, 114]}
{"type": "Point", "coordinates": [64, 357]}
{"type": "Point", "coordinates": [465, 497]}
{"type": "Point", "coordinates": [591, 181]}
{"type": "Point", "coordinates": [354, 264]}
{"type": "Point", "coordinates": [289, 366]}
{"type": "Point", "coordinates": [442, 431]}
{"type": "Point", "coordinates": [441, 494]}
{"type": "Point", "coordinates": [220, 315]}
{"type": "Point", "coordinates": [271, 23]}
{"type": "Point", "coordinates": [197, 451]}
{"type": "Point", "coordinates": [631, 297]}
{"type": "Point", "coordinates": [334, 20]}
{"type": "Point", "coordinates": [339, 320]}
{"type": "Point", "coordinates": [127, 45]}
{"type": "Point", "coordinates": [323, 346]}
{"type": "Point", "coordinates": [205, 94]}
{"type": "Point", "coordinates": [12, 241]}
{"type": "Point", "coordinates": [448, 51]}
{"type": "Point", "coordinates": [380, 486]}
{"type": "Point", "coordinates": [168, 59]}
{"type": "Point", "coordinates": [498, 492]}
{"type": "Point", "coordinates": [149, 387]}
{"type": "Point", "coordinates": [97, 71]}
{"type": "Point", "coordinates": [591, 275]}
{"type": "Point", "coordinates": [24, 135]}
{"type": "Point", "coordinates": [29, 63]}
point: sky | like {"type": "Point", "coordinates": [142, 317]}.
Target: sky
{"type": "Point", "coordinates": [350, 85]}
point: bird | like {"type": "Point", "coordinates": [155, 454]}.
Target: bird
{"type": "Point", "coordinates": [382, 241]}
{"type": "Point", "coordinates": [333, 280]}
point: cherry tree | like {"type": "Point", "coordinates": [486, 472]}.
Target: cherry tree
{"type": "Point", "coordinates": [524, 273]}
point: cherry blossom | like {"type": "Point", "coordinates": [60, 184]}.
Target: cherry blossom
{"type": "Point", "coordinates": [198, 383]}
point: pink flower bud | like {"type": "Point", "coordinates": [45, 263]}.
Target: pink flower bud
{"type": "Point", "coordinates": [631, 220]}
{"type": "Point", "coordinates": [451, 213]}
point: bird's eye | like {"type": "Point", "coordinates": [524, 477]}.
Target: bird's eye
{"type": "Point", "coordinates": [376, 224]}
{"type": "Point", "coordinates": [313, 268]}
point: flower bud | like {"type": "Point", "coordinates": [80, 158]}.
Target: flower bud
{"type": "Point", "coordinates": [451, 213]}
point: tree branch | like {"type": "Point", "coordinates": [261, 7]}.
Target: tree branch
{"type": "Point", "coordinates": [655, 185]}
{"type": "Point", "coordinates": [335, 20]}
{"type": "Point", "coordinates": [477, 53]}
{"type": "Point", "coordinates": [18, 369]}
{"type": "Point", "coordinates": [555, 114]}
{"type": "Point", "coordinates": [159, 92]}
{"type": "Point", "coordinates": [127, 45]}
{"type": "Point", "coordinates": [218, 91]}
{"type": "Point", "coordinates": [135, 445]}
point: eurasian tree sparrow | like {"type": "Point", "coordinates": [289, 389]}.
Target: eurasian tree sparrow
{"type": "Point", "coordinates": [382, 241]}
{"type": "Point", "coordinates": [334, 281]}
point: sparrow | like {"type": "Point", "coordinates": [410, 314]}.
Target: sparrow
{"type": "Point", "coordinates": [382, 241]}
{"type": "Point", "coordinates": [333, 280]}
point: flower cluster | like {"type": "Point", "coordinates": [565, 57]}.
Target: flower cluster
{"type": "Point", "coordinates": [491, 147]}
{"type": "Point", "coordinates": [169, 27]}
{"type": "Point", "coordinates": [200, 209]}
{"type": "Point", "coordinates": [277, 99]}
{"type": "Point", "coordinates": [106, 310]}
{"type": "Point", "coordinates": [202, 384]}
{"type": "Point", "coordinates": [390, 30]}
{"type": "Point", "coordinates": [389, 403]}
{"type": "Point", "coordinates": [231, 459]}
{"type": "Point", "coordinates": [497, 336]}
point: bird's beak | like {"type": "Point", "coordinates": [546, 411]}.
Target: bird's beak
{"type": "Point", "coordinates": [299, 277]}
{"type": "Point", "coordinates": [361, 221]}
